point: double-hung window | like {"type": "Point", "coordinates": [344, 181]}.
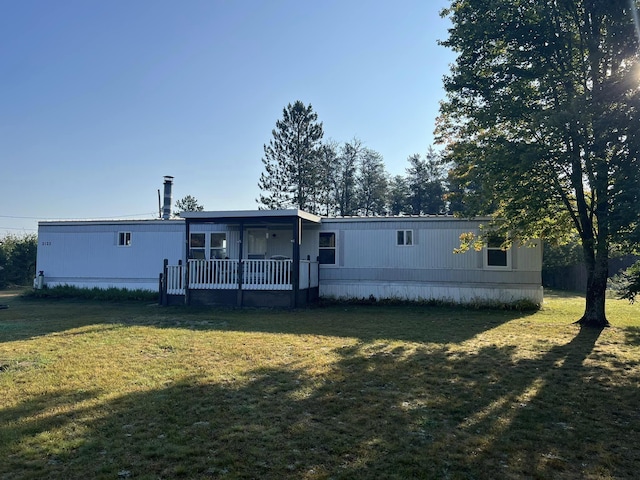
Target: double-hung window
{"type": "Point", "coordinates": [197, 245]}
{"type": "Point", "coordinates": [327, 250]}
{"type": "Point", "coordinates": [218, 246]}
{"type": "Point", "coordinates": [496, 256]}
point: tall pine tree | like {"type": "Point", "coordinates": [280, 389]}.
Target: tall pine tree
{"type": "Point", "coordinates": [290, 160]}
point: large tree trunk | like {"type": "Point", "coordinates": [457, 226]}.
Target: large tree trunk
{"type": "Point", "coordinates": [597, 274]}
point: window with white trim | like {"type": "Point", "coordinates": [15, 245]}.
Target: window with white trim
{"type": "Point", "coordinates": [496, 256]}
{"type": "Point", "coordinates": [327, 248]}
{"type": "Point", "coordinates": [404, 237]}
{"type": "Point", "coordinates": [218, 246]}
{"type": "Point", "coordinates": [197, 245]}
{"type": "Point", "coordinates": [124, 239]}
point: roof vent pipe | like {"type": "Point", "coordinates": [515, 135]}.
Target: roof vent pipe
{"type": "Point", "coordinates": [166, 209]}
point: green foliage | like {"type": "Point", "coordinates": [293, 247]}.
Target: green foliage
{"type": "Point", "coordinates": [398, 195]}
{"type": "Point", "coordinates": [563, 255]}
{"type": "Point", "coordinates": [188, 204]}
{"type": "Point", "coordinates": [291, 161]}
{"type": "Point", "coordinates": [359, 180]}
{"type": "Point", "coordinates": [343, 179]}
{"type": "Point", "coordinates": [17, 259]}
{"type": "Point", "coordinates": [372, 184]}
{"type": "Point", "coordinates": [345, 176]}
{"type": "Point", "coordinates": [627, 284]}
{"type": "Point", "coordinates": [426, 184]}
{"type": "Point", "coordinates": [540, 123]}
{"type": "Point", "coordinates": [103, 294]}
{"type": "Point", "coordinates": [326, 171]}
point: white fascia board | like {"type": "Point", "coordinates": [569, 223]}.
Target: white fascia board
{"type": "Point", "coordinates": [44, 223]}
{"type": "Point", "coordinates": [266, 214]}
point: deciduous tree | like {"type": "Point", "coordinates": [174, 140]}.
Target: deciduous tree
{"type": "Point", "coordinates": [371, 184]}
{"type": "Point", "coordinates": [326, 171]}
{"type": "Point", "coordinates": [398, 195]}
{"type": "Point", "coordinates": [345, 177]}
{"type": "Point", "coordinates": [542, 116]}
{"type": "Point", "coordinates": [426, 184]}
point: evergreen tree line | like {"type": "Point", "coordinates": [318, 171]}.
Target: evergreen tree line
{"type": "Point", "coordinates": [343, 179]}
{"type": "Point", "coordinates": [17, 259]}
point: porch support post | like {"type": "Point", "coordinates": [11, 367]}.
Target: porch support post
{"type": "Point", "coordinates": [163, 283]}
{"type": "Point", "coordinates": [187, 294]}
{"type": "Point", "coordinates": [240, 300]}
{"type": "Point", "coordinates": [295, 274]}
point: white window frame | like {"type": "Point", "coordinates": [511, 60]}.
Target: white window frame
{"type": "Point", "coordinates": [404, 238]}
{"type": "Point", "coordinates": [224, 248]}
{"type": "Point", "coordinates": [488, 249]}
{"type": "Point", "coordinates": [334, 248]}
{"type": "Point", "coordinates": [124, 239]}
{"type": "Point", "coordinates": [192, 248]}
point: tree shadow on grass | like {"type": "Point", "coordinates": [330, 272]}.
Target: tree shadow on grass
{"type": "Point", "coordinates": [380, 411]}
{"type": "Point", "coordinates": [29, 318]}
{"type": "Point", "coordinates": [632, 335]}
{"type": "Point", "coordinates": [430, 324]}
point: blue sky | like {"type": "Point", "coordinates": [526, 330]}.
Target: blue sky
{"type": "Point", "coordinates": [100, 99]}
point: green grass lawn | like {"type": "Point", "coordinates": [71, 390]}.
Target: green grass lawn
{"type": "Point", "coordinates": [133, 390]}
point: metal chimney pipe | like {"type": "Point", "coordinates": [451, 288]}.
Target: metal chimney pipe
{"type": "Point", "coordinates": [166, 209]}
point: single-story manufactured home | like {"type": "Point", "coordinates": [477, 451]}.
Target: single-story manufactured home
{"type": "Point", "coordinates": [286, 258]}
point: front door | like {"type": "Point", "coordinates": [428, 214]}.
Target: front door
{"type": "Point", "coordinates": [257, 245]}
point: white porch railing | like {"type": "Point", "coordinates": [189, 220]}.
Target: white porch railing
{"type": "Point", "coordinates": [175, 280]}
{"type": "Point", "coordinates": [256, 275]}
{"type": "Point", "coordinates": [266, 275]}
{"type": "Point", "coordinates": [213, 274]}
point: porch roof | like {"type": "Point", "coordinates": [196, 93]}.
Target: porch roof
{"type": "Point", "coordinates": [250, 216]}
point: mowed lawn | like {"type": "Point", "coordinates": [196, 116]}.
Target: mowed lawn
{"type": "Point", "coordinates": [133, 390]}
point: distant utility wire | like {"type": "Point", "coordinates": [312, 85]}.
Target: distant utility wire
{"type": "Point", "coordinates": [19, 228]}
{"type": "Point", "coordinates": [93, 218]}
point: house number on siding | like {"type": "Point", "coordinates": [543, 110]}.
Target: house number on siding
{"type": "Point", "coordinates": [45, 244]}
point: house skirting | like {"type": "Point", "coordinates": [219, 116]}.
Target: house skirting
{"type": "Point", "coordinates": [150, 284]}
{"type": "Point", "coordinates": [415, 291]}
{"type": "Point", "coordinates": [246, 298]}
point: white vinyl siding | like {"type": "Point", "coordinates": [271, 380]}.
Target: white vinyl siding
{"type": "Point", "coordinates": [83, 254]}
{"type": "Point", "coordinates": [372, 263]}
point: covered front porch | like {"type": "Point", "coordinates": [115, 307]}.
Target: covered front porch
{"type": "Point", "coordinates": [245, 258]}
